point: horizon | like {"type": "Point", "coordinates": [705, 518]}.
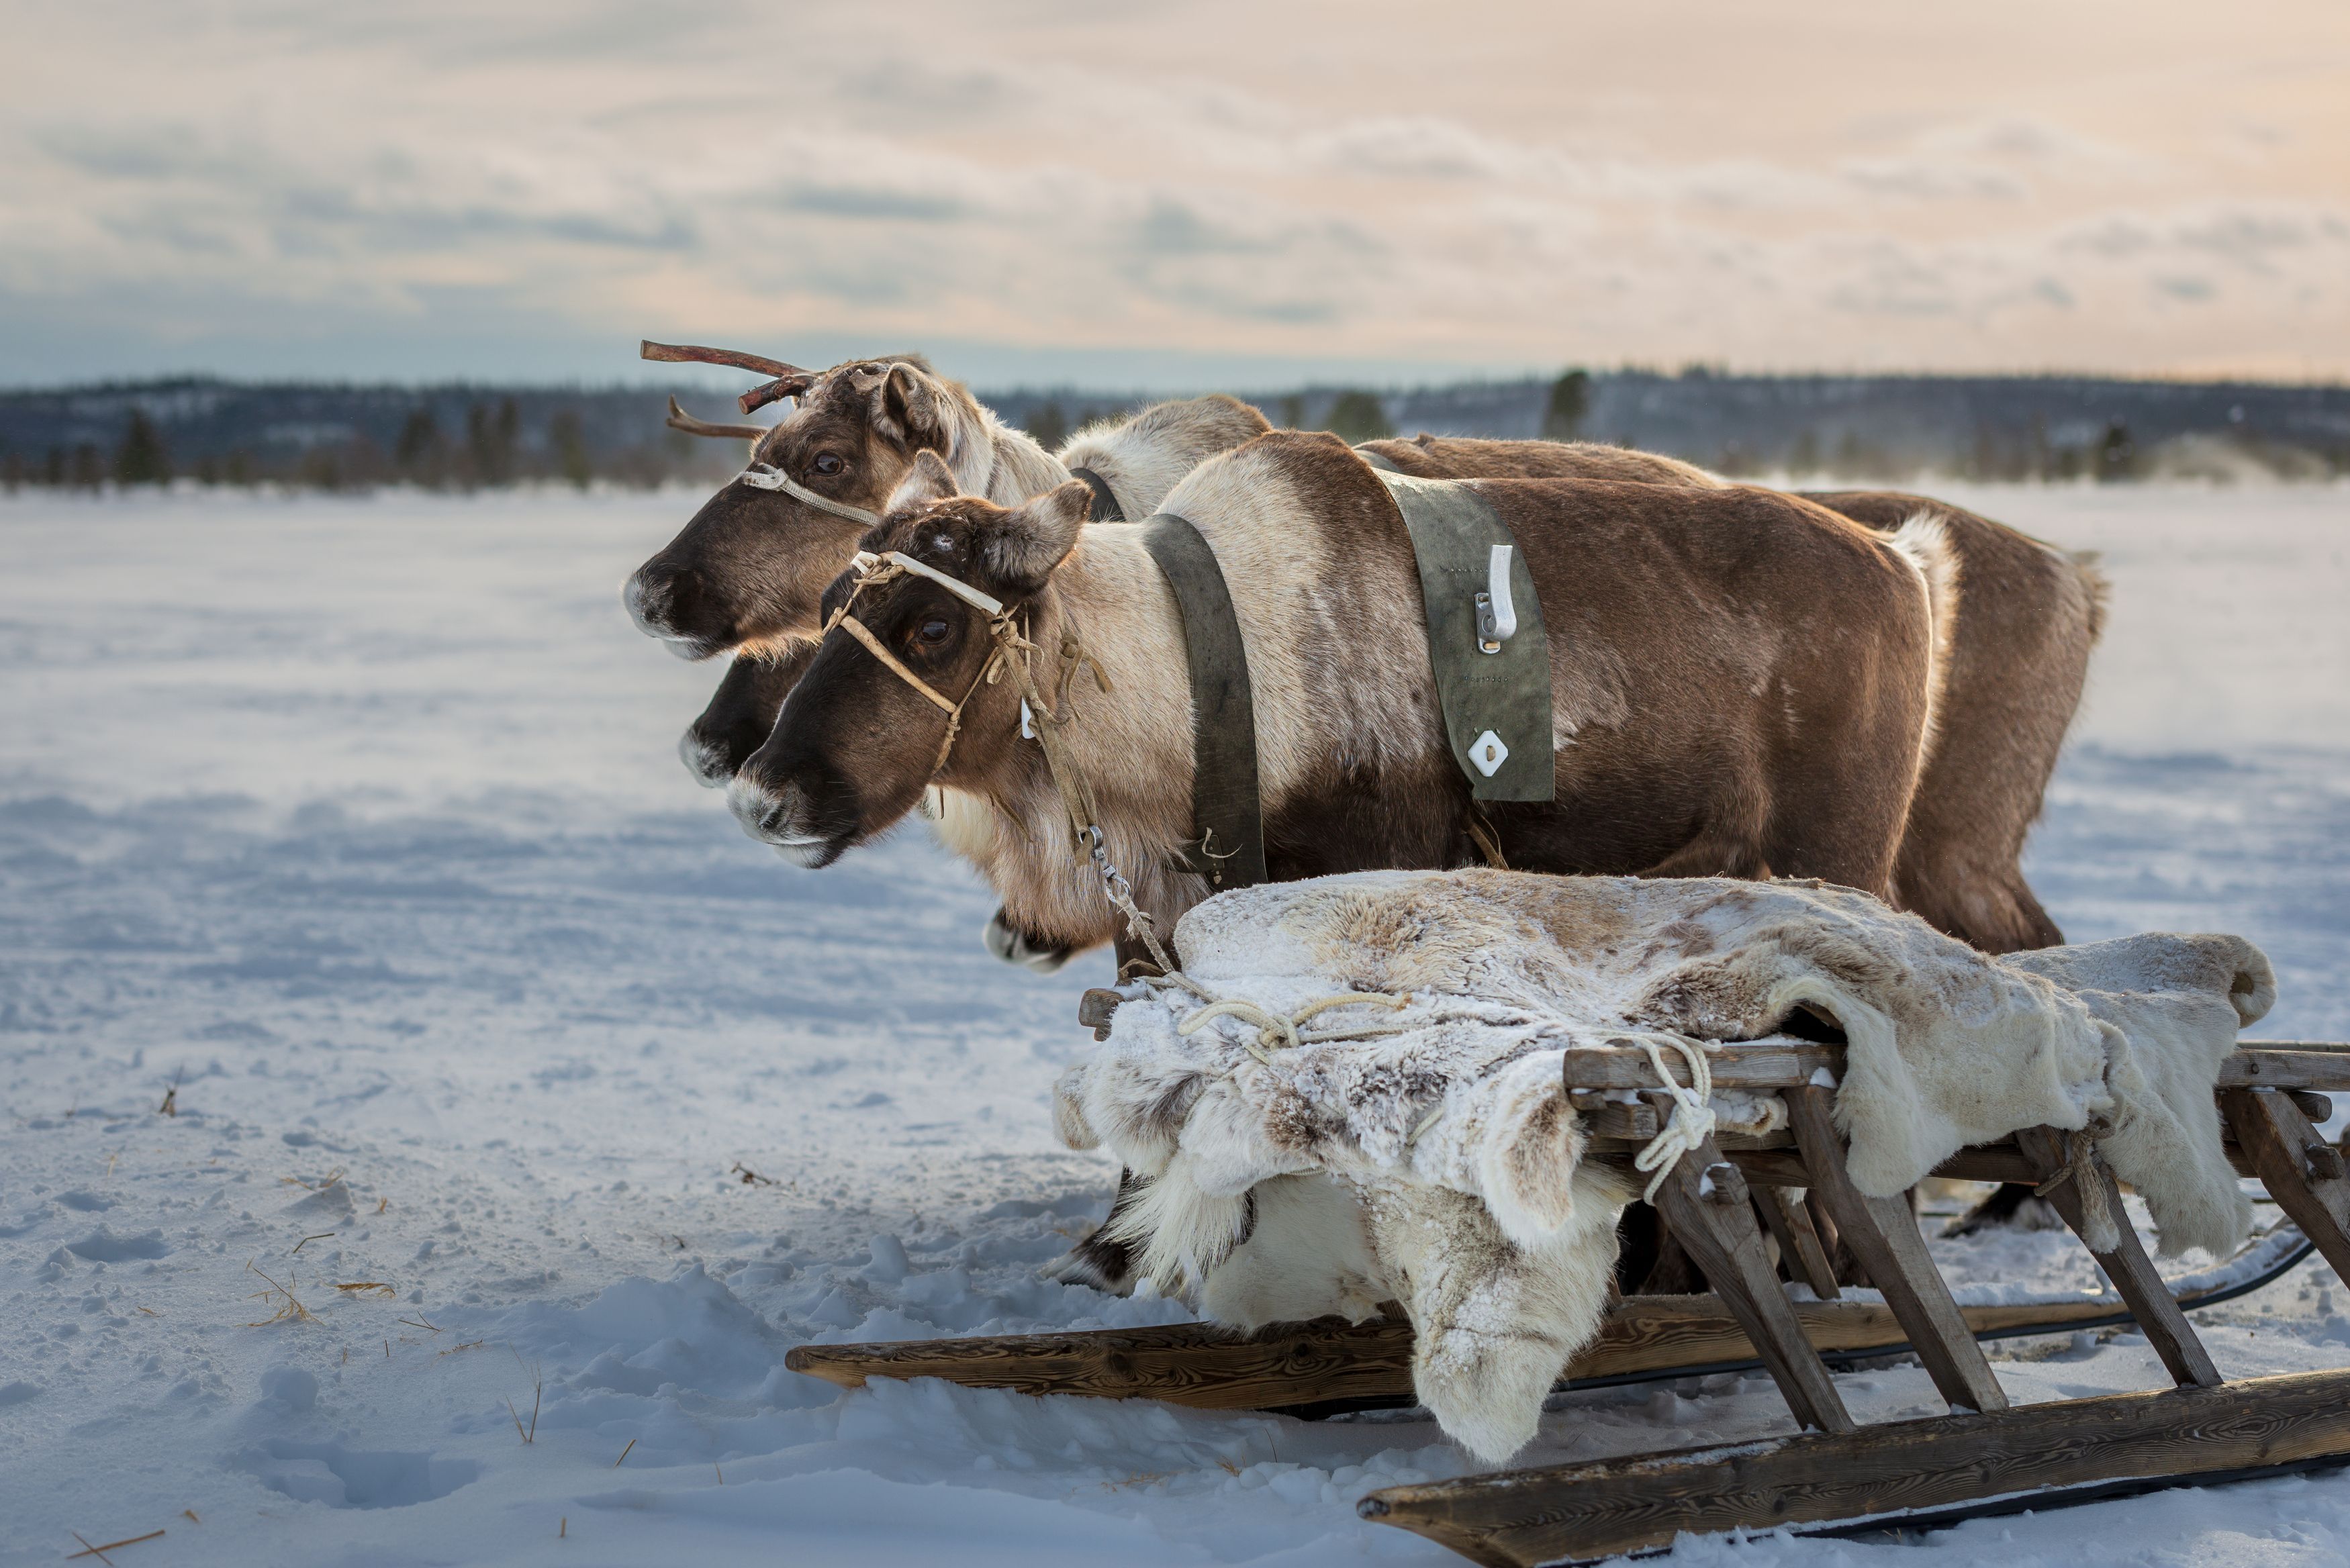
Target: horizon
{"type": "Point", "coordinates": [684, 376]}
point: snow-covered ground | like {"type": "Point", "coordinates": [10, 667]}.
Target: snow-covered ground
{"type": "Point", "coordinates": [358, 822]}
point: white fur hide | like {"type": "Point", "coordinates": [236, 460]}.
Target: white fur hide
{"type": "Point", "coordinates": [1429, 1154]}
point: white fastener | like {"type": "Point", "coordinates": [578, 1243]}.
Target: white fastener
{"type": "Point", "coordinates": [1488, 753]}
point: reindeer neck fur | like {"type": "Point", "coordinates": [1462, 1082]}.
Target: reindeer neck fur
{"type": "Point", "coordinates": [1366, 697]}
{"type": "Point", "coordinates": [1014, 467]}
{"type": "Point", "coordinates": [1144, 458]}
{"type": "Point", "coordinates": [1134, 744]}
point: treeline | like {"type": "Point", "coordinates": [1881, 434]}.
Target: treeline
{"type": "Point", "coordinates": [328, 438]}
{"type": "Point", "coordinates": [1882, 430]}
{"type": "Point", "coordinates": [1886, 430]}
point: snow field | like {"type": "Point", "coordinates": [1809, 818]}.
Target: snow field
{"type": "Point", "coordinates": [357, 826]}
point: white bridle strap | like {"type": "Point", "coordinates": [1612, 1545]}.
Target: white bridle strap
{"type": "Point", "coordinates": [762, 476]}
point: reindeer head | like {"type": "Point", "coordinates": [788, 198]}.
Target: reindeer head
{"type": "Point", "coordinates": [857, 741]}
{"type": "Point", "coordinates": [754, 561]}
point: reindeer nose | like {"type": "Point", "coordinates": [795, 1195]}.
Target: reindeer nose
{"type": "Point", "coordinates": [663, 602]}
{"type": "Point", "coordinates": [764, 812]}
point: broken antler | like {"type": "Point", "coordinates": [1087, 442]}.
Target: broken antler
{"type": "Point", "coordinates": [790, 386]}
{"type": "Point", "coordinates": [679, 419]}
{"type": "Point", "coordinates": [694, 354]}
{"type": "Point", "coordinates": [789, 381]}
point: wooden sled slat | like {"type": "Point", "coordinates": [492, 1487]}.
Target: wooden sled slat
{"type": "Point", "coordinates": [2301, 1171]}
{"type": "Point", "coordinates": [2132, 1274]}
{"type": "Point", "coordinates": [1210, 1368]}
{"type": "Point", "coordinates": [1194, 1364]}
{"type": "Point", "coordinates": [1789, 1064]}
{"type": "Point", "coordinates": [1883, 1234]}
{"type": "Point", "coordinates": [1582, 1512]}
{"type": "Point", "coordinates": [1705, 1201]}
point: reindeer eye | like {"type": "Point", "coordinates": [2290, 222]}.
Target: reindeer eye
{"type": "Point", "coordinates": [828, 463]}
{"type": "Point", "coordinates": [933, 630]}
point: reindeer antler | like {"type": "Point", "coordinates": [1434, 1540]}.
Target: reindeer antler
{"type": "Point", "coordinates": [679, 419]}
{"type": "Point", "coordinates": [790, 386]}
{"type": "Point", "coordinates": [789, 381]}
{"type": "Point", "coordinates": [694, 354]}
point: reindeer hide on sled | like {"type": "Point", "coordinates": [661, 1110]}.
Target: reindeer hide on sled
{"type": "Point", "coordinates": [1416, 1142]}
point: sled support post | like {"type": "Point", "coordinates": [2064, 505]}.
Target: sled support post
{"type": "Point", "coordinates": [2301, 1171]}
{"type": "Point", "coordinates": [1705, 1201]}
{"type": "Point", "coordinates": [1883, 1235]}
{"type": "Point", "coordinates": [2127, 1266]}
{"type": "Point", "coordinates": [1799, 1244]}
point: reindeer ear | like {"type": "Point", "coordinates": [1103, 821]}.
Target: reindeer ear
{"type": "Point", "coordinates": [1024, 544]}
{"type": "Point", "coordinates": [930, 480]}
{"type": "Point", "coordinates": [908, 408]}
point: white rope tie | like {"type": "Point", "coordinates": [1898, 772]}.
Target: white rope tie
{"type": "Point", "coordinates": [1691, 1122]}
{"type": "Point", "coordinates": [1273, 1029]}
{"type": "Point", "coordinates": [762, 476]}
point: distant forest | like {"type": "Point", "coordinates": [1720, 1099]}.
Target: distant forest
{"type": "Point", "coordinates": [1879, 428]}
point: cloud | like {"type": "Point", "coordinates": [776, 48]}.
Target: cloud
{"type": "Point", "coordinates": [1074, 182]}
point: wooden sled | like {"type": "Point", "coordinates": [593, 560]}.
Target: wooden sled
{"type": "Point", "coordinates": [1985, 1456]}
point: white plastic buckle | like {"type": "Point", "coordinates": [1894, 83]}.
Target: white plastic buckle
{"type": "Point", "coordinates": [1497, 615]}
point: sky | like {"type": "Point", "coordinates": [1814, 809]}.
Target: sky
{"type": "Point", "coordinates": [1187, 194]}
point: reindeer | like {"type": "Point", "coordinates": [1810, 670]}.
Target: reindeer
{"type": "Point", "coordinates": [1743, 683]}
{"type": "Point", "coordinates": [773, 537]}
{"type": "Point", "coordinates": [2018, 658]}
{"type": "Point", "coordinates": [2019, 644]}
{"type": "Point", "coordinates": [1132, 462]}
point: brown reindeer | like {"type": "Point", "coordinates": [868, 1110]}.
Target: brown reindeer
{"type": "Point", "coordinates": [734, 574]}
{"type": "Point", "coordinates": [1742, 684]}
{"type": "Point", "coordinates": [753, 558]}
{"type": "Point", "coordinates": [2028, 618]}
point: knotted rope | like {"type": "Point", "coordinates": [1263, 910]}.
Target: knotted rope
{"type": "Point", "coordinates": [1273, 1029]}
{"type": "Point", "coordinates": [1691, 1122]}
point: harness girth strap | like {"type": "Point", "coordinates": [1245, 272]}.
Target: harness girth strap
{"type": "Point", "coordinates": [1105, 508]}
{"type": "Point", "coordinates": [1227, 809]}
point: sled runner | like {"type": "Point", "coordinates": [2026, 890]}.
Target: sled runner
{"type": "Point", "coordinates": [1720, 1198]}
{"type": "Point", "coordinates": [1318, 1369]}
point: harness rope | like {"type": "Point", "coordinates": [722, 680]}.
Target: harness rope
{"type": "Point", "coordinates": [765, 476]}
{"type": "Point", "coordinates": [1011, 653]}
